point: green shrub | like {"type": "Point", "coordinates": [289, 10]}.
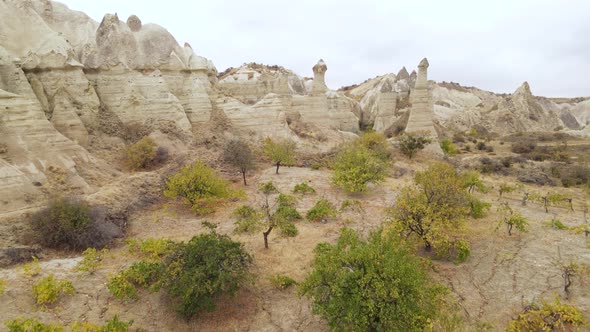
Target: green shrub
{"type": "Point", "coordinates": [32, 268]}
{"type": "Point", "coordinates": [91, 259]}
{"type": "Point", "coordinates": [48, 290]}
{"type": "Point", "coordinates": [200, 187]}
{"type": "Point", "coordinates": [116, 325]}
{"type": "Point", "coordinates": [141, 155]}
{"type": "Point", "coordinates": [67, 223]}
{"type": "Point", "coordinates": [112, 325]}
{"type": "Point", "coordinates": [204, 268]}
{"type": "Point", "coordinates": [479, 208]}
{"type": "Point", "coordinates": [356, 167]}
{"type": "Point", "coordinates": [288, 229]}
{"type": "Point", "coordinates": [248, 219]}
{"type": "Point", "coordinates": [556, 224]}
{"type": "Point", "coordinates": [321, 210]}
{"type": "Point", "coordinates": [303, 188]}
{"type": "Point", "coordinates": [376, 143]}
{"type": "Point", "coordinates": [481, 146]}
{"type": "Point", "coordinates": [456, 250]}
{"type": "Point", "coordinates": [373, 285]}
{"type": "Point", "coordinates": [2, 286]}
{"type": "Point", "coordinates": [144, 274]}
{"type": "Point", "coordinates": [411, 143]}
{"type": "Point", "coordinates": [154, 249]}
{"type": "Point", "coordinates": [448, 147]}
{"type": "Point", "coordinates": [286, 208]}
{"type": "Point", "coordinates": [555, 316]}
{"type": "Point", "coordinates": [120, 287]}
{"type": "Point", "coordinates": [281, 281]}
{"type": "Point", "coordinates": [31, 325]}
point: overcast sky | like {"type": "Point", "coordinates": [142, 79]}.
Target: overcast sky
{"type": "Point", "coordinates": [493, 45]}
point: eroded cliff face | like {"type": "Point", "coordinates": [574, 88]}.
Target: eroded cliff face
{"type": "Point", "coordinates": [72, 88]}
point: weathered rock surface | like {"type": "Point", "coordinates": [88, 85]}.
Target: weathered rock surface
{"type": "Point", "coordinates": [35, 155]}
{"type": "Point", "coordinates": [462, 108]}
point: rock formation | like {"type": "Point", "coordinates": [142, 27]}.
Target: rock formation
{"type": "Point", "coordinates": [422, 112]}
{"type": "Point", "coordinates": [386, 108]}
{"type": "Point", "coordinates": [319, 82]}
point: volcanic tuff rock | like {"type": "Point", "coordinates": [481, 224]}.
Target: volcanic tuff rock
{"type": "Point", "coordinates": [462, 108]}
{"type": "Point", "coordinates": [70, 85]}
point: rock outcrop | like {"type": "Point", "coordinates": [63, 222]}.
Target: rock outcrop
{"type": "Point", "coordinates": [285, 109]}
{"type": "Point", "coordinates": [422, 111]}
{"type": "Point", "coordinates": [35, 156]}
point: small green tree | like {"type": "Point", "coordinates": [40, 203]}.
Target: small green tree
{"type": "Point", "coordinates": [281, 152]}
{"type": "Point", "coordinates": [355, 167]}
{"type": "Point", "coordinates": [411, 143]}
{"type": "Point", "coordinates": [512, 219]}
{"type": "Point", "coordinates": [434, 209]}
{"type": "Point", "coordinates": [280, 214]}
{"type": "Point", "coordinates": [472, 181]}
{"type": "Point", "coordinates": [142, 154]}
{"type": "Point", "coordinates": [202, 269]}
{"type": "Point", "coordinates": [374, 285]}
{"type": "Point", "coordinates": [238, 154]}
{"type": "Point", "coordinates": [199, 186]}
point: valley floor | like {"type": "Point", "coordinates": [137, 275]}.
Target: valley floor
{"type": "Point", "coordinates": [503, 273]}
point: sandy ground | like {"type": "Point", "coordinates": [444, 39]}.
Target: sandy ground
{"type": "Point", "coordinates": [503, 273]}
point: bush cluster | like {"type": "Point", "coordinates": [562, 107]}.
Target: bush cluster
{"type": "Point", "coordinates": [193, 274]}
{"type": "Point", "coordinates": [68, 223]}
{"type": "Point", "coordinates": [548, 316]}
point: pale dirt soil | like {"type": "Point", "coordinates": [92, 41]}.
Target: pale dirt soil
{"type": "Point", "coordinates": [503, 273]}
